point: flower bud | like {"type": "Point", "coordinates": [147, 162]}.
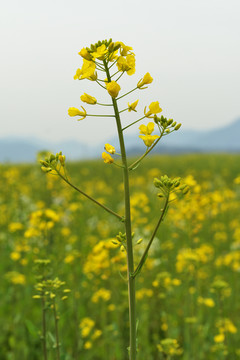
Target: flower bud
{"type": "Point", "coordinates": [44, 163]}
{"type": "Point", "coordinates": [113, 88]}
{"type": "Point", "coordinates": [85, 54]}
{"type": "Point", "coordinates": [62, 159]}
{"type": "Point", "coordinates": [46, 169]}
{"type": "Point", "coordinates": [186, 190]}
{"type": "Point", "coordinates": [88, 99]}
{"type": "Point", "coordinates": [178, 126]}
{"type": "Point", "coordinates": [157, 183]}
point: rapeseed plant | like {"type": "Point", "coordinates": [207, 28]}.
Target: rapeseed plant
{"type": "Point", "coordinates": [101, 58]}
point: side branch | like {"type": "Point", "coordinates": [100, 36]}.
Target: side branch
{"type": "Point", "coordinates": [144, 256]}
{"type": "Point", "coordinates": [90, 198]}
{"type": "Point", "coordinates": [131, 167]}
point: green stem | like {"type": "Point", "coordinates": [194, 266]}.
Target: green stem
{"type": "Point", "coordinates": [89, 197]}
{"type": "Point", "coordinates": [130, 261]}
{"type": "Point", "coordinates": [56, 330]}
{"type": "Point", "coordinates": [100, 115]}
{"type": "Point", "coordinates": [104, 104]}
{"type": "Point", "coordinates": [133, 123]}
{"type": "Point", "coordinates": [131, 167]}
{"type": "Point", "coordinates": [44, 329]}
{"type": "Point", "coordinates": [144, 256]}
{"type": "Point", "coordinates": [101, 85]}
{"type": "Point", "coordinates": [127, 93]}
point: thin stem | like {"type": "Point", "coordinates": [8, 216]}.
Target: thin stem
{"type": "Point", "coordinates": [133, 123]}
{"type": "Point", "coordinates": [120, 76]}
{"type": "Point", "coordinates": [100, 115]}
{"type": "Point", "coordinates": [89, 197]}
{"type": "Point", "coordinates": [127, 93]}
{"type": "Point", "coordinates": [100, 84]}
{"type": "Point", "coordinates": [104, 104]}
{"type": "Point", "coordinates": [144, 256]}
{"type": "Point", "coordinates": [112, 65]}
{"type": "Point", "coordinates": [56, 318]}
{"type": "Point", "coordinates": [123, 111]}
{"type": "Point", "coordinates": [115, 74]}
{"type": "Point", "coordinates": [130, 261]}
{"type": "Point", "coordinates": [44, 328]}
{"type": "Point", "coordinates": [131, 167]}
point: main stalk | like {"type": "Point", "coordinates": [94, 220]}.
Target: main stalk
{"type": "Point", "coordinates": [130, 261]}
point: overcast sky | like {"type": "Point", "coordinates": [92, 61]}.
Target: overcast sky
{"type": "Point", "coordinates": [191, 49]}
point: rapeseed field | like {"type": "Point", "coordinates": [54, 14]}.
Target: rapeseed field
{"type": "Point", "coordinates": [55, 241]}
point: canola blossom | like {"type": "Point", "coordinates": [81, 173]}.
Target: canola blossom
{"type": "Point", "coordinates": [107, 158]}
{"type": "Point", "coordinates": [72, 111]}
{"type": "Point", "coordinates": [154, 108]}
{"type": "Point", "coordinates": [113, 88]}
{"type": "Point", "coordinates": [110, 149]}
{"type": "Point", "coordinates": [132, 107]}
{"type": "Point", "coordinates": [146, 80]}
{"type": "Point", "coordinates": [88, 99]}
{"type": "Point", "coordinates": [147, 138]}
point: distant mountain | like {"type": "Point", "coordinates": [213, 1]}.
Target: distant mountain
{"type": "Point", "coordinates": [224, 139]}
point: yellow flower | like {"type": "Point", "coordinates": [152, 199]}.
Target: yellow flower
{"type": "Point", "coordinates": [126, 64]}
{"type": "Point", "coordinates": [209, 302]}
{"type": "Point", "coordinates": [131, 63]}
{"type": "Point", "coordinates": [154, 108]}
{"type": "Point", "coordinates": [78, 74]}
{"type": "Point", "coordinates": [72, 111]}
{"type": "Point", "coordinates": [87, 345]}
{"type": "Point", "coordinates": [100, 53]}
{"type": "Point", "coordinates": [147, 79]}
{"type": "Point", "coordinates": [147, 138]}
{"type": "Point", "coordinates": [113, 88]}
{"type": "Point", "coordinates": [109, 148]}
{"type": "Point", "coordinates": [124, 50]}
{"type": "Point", "coordinates": [87, 71]}
{"type": "Point", "coordinates": [88, 99]}
{"type": "Point", "coordinates": [132, 107]}
{"type": "Point", "coordinates": [122, 64]}
{"type": "Point", "coordinates": [113, 56]}
{"type": "Point", "coordinates": [85, 54]}
{"type": "Point", "coordinates": [146, 130]}
{"type": "Point", "coordinates": [219, 338]}
{"type": "Point", "coordinates": [107, 158]}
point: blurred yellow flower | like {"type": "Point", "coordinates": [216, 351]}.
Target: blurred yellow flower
{"type": "Point", "coordinates": [219, 338]}
{"type": "Point", "coordinates": [107, 158]}
{"type": "Point", "coordinates": [110, 149]}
